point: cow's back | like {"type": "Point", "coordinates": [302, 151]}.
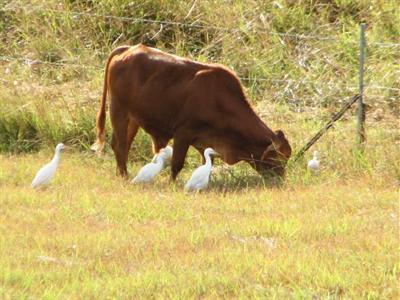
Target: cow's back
{"type": "Point", "coordinates": [163, 90]}
{"type": "Point", "coordinates": [151, 84]}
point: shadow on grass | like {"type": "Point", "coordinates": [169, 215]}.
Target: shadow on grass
{"type": "Point", "coordinates": [231, 179]}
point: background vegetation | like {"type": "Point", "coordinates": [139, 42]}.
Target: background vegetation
{"type": "Point", "coordinates": [91, 235]}
{"type": "Point", "coordinates": [61, 48]}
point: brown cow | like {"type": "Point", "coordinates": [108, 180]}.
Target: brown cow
{"type": "Point", "coordinates": [196, 104]}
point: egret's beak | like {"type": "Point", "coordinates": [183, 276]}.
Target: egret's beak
{"type": "Point", "coordinates": [67, 148]}
{"type": "Point", "coordinates": [215, 153]}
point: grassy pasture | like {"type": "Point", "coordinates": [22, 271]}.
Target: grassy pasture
{"type": "Point", "coordinates": [91, 235]}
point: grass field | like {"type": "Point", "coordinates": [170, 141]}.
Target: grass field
{"type": "Point", "coordinates": [91, 235]}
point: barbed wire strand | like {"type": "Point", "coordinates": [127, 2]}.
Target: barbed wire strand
{"type": "Point", "coordinates": [31, 62]}
{"type": "Point", "coordinates": [386, 44]}
{"type": "Point", "coordinates": [379, 87]}
{"type": "Point", "coordinates": [164, 22]}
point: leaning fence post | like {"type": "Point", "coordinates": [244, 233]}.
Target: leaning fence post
{"type": "Point", "coordinates": [361, 112]}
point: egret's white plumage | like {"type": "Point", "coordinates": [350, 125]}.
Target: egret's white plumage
{"type": "Point", "coordinates": [165, 154]}
{"type": "Point", "coordinates": [159, 162]}
{"type": "Point", "coordinates": [46, 173]}
{"type": "Point", "coordinates": [200, 177]}
{"type": "Point", "coordinates": [313, 164]}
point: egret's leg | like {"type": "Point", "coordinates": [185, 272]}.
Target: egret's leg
{"type": "Point", "coordinates": [181, 146]}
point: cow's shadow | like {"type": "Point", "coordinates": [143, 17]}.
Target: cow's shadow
{"type": "Point", "coordinates": [231, 180]}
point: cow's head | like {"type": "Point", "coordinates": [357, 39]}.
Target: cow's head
{"type": "Point", "coordinates": [275, 156]}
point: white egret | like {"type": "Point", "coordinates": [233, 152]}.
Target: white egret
{"type": "Point", "coordinates": [159, 162]}
{"type": "Point", "coordinates": [46, 173]}
{"type": "Point", "coordinates": [313, 164]}
{"type": "Point", "coordinates": [200, 177]}
{"type": "Point", "coordinates": [165, 154]}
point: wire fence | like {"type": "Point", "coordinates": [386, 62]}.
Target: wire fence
{"type": "Point", "coordinates": [163, 22]}
{"type": "Point", "coordinates": [337, 89]}
{"type": "Point", "coordinates": [196, 24]}
{"type": "Point", "coordinates": [31, 62]}
{"type": "Point", "coordinates": [31, 9]}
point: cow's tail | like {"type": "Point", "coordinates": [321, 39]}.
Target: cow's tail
{"type": "Point", "coordinates": [98, 146]}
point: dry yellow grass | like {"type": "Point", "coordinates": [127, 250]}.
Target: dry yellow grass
{"type": "Point", "coordinates": [91, 235]}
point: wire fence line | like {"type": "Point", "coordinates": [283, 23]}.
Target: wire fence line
{"type": "Point", "coordinates": [386, 44]}
{"type": "Point", "coordinates": [182, 24]}
{"type": "Point", "coordinates": [379, 87]}
{"type": "Point", "coordinates": [32, 62]}
{"type": "Point", "coordinates": [21, 108]}
{"type": "Point", "coordinates": [249, 26]}
{"type": "Point", "coordinates": [164, 22]}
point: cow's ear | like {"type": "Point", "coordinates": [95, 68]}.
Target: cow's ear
{"type": "Point", "coordinates": [274, 148]}
{"type": "Point", "coordinates": [282, 144]}
{"type": "Point", "coordinates": [280, 135]}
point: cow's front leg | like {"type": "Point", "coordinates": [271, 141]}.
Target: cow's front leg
{"type": "Point", "coordinates": [181, 146]}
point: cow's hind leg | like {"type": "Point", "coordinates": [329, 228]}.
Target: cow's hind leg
{"type": "Point", "coordinates": [181, 146]}
{"type": "Point", "coordinates": [133, 128]}
{"type": "Point", "coordinates": [159, 142]}
{"type": "Point", "coordinates": [119, 142]}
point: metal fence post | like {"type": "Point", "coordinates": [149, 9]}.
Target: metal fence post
{"type": "Point", "coordinates": [361, 112]}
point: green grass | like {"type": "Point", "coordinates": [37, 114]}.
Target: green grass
{"type": "Point", "coordinates": [92, 235]}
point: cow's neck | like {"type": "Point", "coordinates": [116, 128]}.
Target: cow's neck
{"type": "Point", "coordinates": [248, 146]}
{"type": "Point", "coordinates": [259, 136]}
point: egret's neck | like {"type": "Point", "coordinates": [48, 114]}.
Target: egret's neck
{"type": "Point", "coordinates": [208, 160]}
{"type": "Point", "coordinates": [159, 160]}
{"type": "Point", "coordinates": [57, 156]}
